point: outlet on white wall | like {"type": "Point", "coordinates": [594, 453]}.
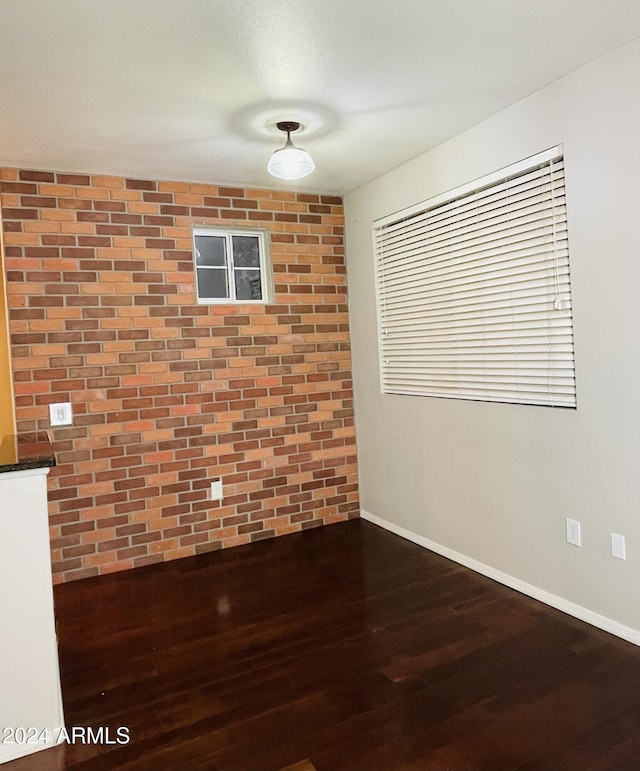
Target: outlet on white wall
{"type": "Point", "coordinates": [573, 532]}
{"type": "Point", "coordinates": [216, 490]}
{"type": "Point", "coordinates": [618, 546]}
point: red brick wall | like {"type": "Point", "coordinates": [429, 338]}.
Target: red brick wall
{"type": "Point", "coordinates": [168, 394]}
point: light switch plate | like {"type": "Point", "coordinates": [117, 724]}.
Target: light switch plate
{"type": "Point", "coordinates": [60, 414]}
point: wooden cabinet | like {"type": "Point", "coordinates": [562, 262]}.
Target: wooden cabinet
{"type": "Point", "coordinates": [7, 413]}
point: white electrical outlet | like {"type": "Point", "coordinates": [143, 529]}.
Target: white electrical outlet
{"type": "Point", "coordinates": [618, 547]}
{"type": "Point", "coordinates": [216, 490]}
{"type": "Point", "coordinates": [573, 532]}
{"type": "Point", "coordinates": [60, 414]}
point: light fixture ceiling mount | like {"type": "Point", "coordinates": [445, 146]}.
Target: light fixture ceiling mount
{"type": "Point", "coordinates": [290, 162]}
{"type": "Point", "coordinates": [288, 126]}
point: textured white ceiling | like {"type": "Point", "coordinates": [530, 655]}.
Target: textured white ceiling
{"type": "Point", "coordinates": [190, 90]}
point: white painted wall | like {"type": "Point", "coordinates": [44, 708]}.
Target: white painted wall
{"type": "Point", "coordinates": [495, 482]}
{"type": "Point", "coordinates": [30, 695]}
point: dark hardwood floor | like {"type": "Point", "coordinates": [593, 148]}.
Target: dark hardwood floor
{"type": "Point", "coordinates": [338, 649]}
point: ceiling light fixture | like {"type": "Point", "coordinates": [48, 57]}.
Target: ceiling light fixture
{"type": "Point", "coordinates": [290, 162]}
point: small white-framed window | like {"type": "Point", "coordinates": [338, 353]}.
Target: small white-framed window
{"type": "Point", "coordinates": [473, 290]}
{"type": "Point", "coordinates": [232, 266]}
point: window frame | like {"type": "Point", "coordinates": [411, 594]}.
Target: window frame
{"type": "Point", "coordinates": [405, 297]}
{"type": "Point", "coordinates": [264, 268]}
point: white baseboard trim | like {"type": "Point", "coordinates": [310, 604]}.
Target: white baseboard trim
{"type": "Point", "coordinates": [571, 608]}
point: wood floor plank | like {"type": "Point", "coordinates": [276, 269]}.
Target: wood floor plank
{"type": "Point", "coordinates": [343, 648]}
{"type": "Point", "coordinates": [303, 765]}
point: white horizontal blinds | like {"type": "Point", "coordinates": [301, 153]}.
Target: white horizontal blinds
{"type": "Point", "coordinates": [474, 295]}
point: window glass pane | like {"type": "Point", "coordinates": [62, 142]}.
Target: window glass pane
{"type": "Point", "coordinates": [246, 253]}
{"type": "Point", "coordinates": [211, 250]}
{"type": "Point", "coordinates": [212, 283]}
{"type": "Point", "coordinates": [248, 285]}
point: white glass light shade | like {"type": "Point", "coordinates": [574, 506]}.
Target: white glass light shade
{"type": "Point", "coordinates": [290, 162]}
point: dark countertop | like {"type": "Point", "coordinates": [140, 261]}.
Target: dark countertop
{"type": "Point", "coordinates": [20, 452]}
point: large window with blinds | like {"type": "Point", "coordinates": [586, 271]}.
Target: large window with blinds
{"type": "Point", "coordinates": [473, 290]}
